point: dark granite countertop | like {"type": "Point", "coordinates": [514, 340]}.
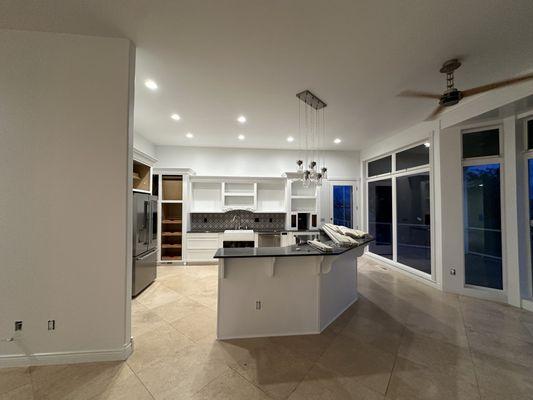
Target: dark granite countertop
{"type": "Point", "coordinates": [255, 231]}
{"type": "Point", "coordinates": [288, 251]}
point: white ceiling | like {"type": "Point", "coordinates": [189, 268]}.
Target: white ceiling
{"type": "Point", "coordinates": [214, 60]}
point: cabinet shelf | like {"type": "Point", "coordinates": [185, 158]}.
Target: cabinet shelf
{"type": "Point", "coordinates": [170, 246]}
{"type": "Point", "coordinates": [170, 258]}
{"type": "Point", "coordinates": [303, 197]}
{"type": "Point", "coordinates": [170, 234]}
{"type": "Point", "coordinates": [171, 221]}
{"type": "Point", "coordinates": [241, 194]}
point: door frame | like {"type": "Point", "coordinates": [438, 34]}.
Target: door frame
{"type": "Point", "coordinates": [473, 290]}
{"type": "Point", "coordinates": [528, 155]}
{"type": "Point", "coordinates": [355, 199]}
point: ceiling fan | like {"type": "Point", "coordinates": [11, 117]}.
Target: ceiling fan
{"type": "Point", "coordinates": [452, 95]}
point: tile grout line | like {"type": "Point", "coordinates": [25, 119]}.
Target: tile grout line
{"type": "Point", "coordinates": [468, 343]}
{"type": "Point", "coordinates": [249, 381]}
{"type": "Point", "coordinates": [139, 379]}
{"type": "Point", "coordinates": [395, 360]}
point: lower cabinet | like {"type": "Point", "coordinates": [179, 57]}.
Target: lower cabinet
{"type": "Point", "coordinates": [201, 247]}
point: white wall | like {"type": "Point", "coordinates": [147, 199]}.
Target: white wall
{"type": "Point", "coordinates": [250, 162]}
{"type": "Point", "coordinates": [64, 163]}
{"type": "Point", "coordinates": [142, 144]}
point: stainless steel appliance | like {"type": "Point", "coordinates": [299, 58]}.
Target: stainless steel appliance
{"type": "Point", "coordinates": [269, 239]}
{"type": "Point", "coordinates": [144, 269]}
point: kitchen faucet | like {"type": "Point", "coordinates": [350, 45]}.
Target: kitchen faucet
{"type": "Point", "coordinates": [234, 220]}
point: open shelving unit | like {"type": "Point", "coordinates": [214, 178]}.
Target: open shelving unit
{"type": "Point", "coordinates": [303, 200]}
{"type": "Point", "coordinates": [171, 217]}
{"type": "Point", "coordinates": [239, 195]}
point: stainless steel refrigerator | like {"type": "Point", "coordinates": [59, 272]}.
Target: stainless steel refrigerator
{"type": "Point", "coordinates": [144, 241]}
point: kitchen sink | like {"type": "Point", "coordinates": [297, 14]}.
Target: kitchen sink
{"type": "Point", "coordinates": [237, 235]}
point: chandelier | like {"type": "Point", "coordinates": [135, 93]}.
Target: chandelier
{"type": "Point", "coordinates": [312, 134]}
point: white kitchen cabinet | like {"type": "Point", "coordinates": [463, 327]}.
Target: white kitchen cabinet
{"type": "Point", "coordinates": [201, 247]}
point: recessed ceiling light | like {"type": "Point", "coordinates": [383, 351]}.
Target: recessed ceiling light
{"type": "Point", "coordinates": [189, 135]}
{"type": "Point", "coordinates": [290, 139]}
{"type": "Point", "coordinates": [150, 84]}
{"type": "Point", "coordinates": [241, 119]}
{"type": "Point", "coordinates": [337, 141]}
{"type": "Point", "coordinates": [175, 117]}
{"type": "Point", "coordinates": [427, 144]}
{"type": "Point", "coordinates": [240, 137]}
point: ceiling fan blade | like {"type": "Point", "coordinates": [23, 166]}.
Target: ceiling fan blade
{"type": "Point", "coordinates": [435, 112]}
{"type": "Point", "coordinates": [419, 94]}
{"type": "Point", "coordinates": [496, 85]}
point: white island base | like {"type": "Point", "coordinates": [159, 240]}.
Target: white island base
{"type": "Point", "coordinates": [284, 295]}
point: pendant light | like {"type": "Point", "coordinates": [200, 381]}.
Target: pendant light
{"type": "Point", "coordinates": [311, 128]}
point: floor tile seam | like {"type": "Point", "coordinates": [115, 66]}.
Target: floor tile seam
{"type": "Point", "coordinates": [395, 361]}
{"type": "Point", "coordinates": [136, 376]}
{"type": "Point", "coordinates": [313, 363]}
{"type": "Point", "coordinates": [249, 381]}
{"type": "Point", "coordinates": [469, 347]}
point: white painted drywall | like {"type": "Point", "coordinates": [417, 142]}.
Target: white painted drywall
{"type": "Point", "coordinates": [65, 108]}
{"type": "Point", "coordinates": [251, 162]}
{"type": "Point", "coordinates": [143, 144]}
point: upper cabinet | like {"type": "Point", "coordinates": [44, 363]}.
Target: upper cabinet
{"type": "Point", "coordinates": [142, 172]}
{"type": "Point", "coordinates": [271, 196]}
{"type": "Point", "coordinates": [252, 194]}
{"type": "Point", "coordinates": [206, 196]}
{"type": "Point", "coordinates": [303, 198]}
{"type": "Point", "coordinates": [239, 196]}
{"type": "Point", "coordinates": [142, 175]}
{"type": "Point", "coordinates": [172, 187]}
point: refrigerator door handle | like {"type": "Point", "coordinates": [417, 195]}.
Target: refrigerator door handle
{"type": "Point", "coordinates": [146, 255]}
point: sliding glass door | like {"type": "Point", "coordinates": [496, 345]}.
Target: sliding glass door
{"type": "Point", "coordinates": [380, 217]}
{"type": "Point", "coordinates": [399, 208]}
{"type": "Point", "coordinates": [482, 226]}
{"type": "Point", "coordinates": [413, 221]}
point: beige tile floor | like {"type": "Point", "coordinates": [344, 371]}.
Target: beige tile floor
{"type": "Point", "coordinates": [401, 340]}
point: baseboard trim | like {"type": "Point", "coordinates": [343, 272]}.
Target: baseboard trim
{"type": "Point", "coordinates": [324, 326]}
{"type": "Point", "coordinates": [70, 357]}
{"type": "Point", "coordinates": [527, 304]}
{"type": "Point", "coordinates": [272, 334]}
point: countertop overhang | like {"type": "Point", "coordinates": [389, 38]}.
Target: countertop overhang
{"type": "Point", "coordinates": [287, 251]}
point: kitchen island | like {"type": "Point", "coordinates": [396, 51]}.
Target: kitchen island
{"type": "Point", "coordinates": [278, 291]}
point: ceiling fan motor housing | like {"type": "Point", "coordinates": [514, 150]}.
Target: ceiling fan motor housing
{"type": "Point", "coordinates": [451, 97]}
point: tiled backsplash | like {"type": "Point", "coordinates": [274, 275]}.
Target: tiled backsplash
{"type": "Point", "coordinates": [236, 219]}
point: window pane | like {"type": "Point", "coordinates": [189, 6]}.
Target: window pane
{"type": "Point", "coordinates": [482, 224]}
{"type": "Point", "coordinates": [412, 157]}
{"type": "Point", "coordinates": [481, 144]}
{"type": "Point", "coordinates": [380, 217]}
{"type": "Point", "coordinates": [381, 166]}
{"type": "Point", "coordinates": [342, 205]}
{"type": "Point", "coordinates": [413, 226]}
{"type": "Point", "coordinates": [530, 134]}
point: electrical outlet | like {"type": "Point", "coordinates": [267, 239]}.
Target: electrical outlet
{"type": "Point", "coordinates": [52, 325]}
{"type": "Point", "coordinates": [452, 271]}
{"type": "Point", "coordinates": [18, 326]}
{"type": "Point", "coordinates": [258, 305]}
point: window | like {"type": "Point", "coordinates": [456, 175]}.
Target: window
{"type": "Point", "coordinates": [482, 226]}
{"type": "Point", "coordinates": [530, 134]}
{"type": "Point", "coordinates": [481, 143]}
{"type": "Point", "coordinates": [413, 157]}
{"type": "Point", "coordinates": [398, 207]}
{"type": "Point", "coordinates": [413, 221]}
{"type": "Point", "coordinates": [380, 217]}
{"type": "Point", "coordinates": [379, 167]}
